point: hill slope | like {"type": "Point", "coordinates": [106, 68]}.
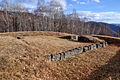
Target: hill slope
{"type": "Point", "coordinates": [22, 59]}
{"type": "Point", "coordinates": [115, 29]}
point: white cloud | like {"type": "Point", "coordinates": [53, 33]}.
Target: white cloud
{"type": "Point", "coordinates": [88, 1]}
{"type": "Point", "coordinates": [80, 2]}
{"type": "Point", "coordinates": [73, 0]}
{"type": "Point", "coordinates": [22, 1]}
{"type": "Point", "coordinates": [29, 6]}
{"type": "Point", "coordinates": [96, 1]}
{"type": "Point", "coordinates": [71, 5]}
{"type": "Point", "coordinates": [31, 0]}
{"type": "Point", "coordinates": [62, 2]}
{"type": "Point", "coordinates": [101, 16]}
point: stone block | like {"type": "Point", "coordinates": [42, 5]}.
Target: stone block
{"type": "Point", "coordinates": [80, 49]}
{"type": "Point", "coordinates": [72, 52]}
{"type": "Point", "coordinates": [56, 57]}
{"type": "Point", "coordinates": [62, 55]}
{"type": "Point", "coordinates": [94, 46]}
{"type": "Point", "coordinates": [68, 53]}
{"type": "Point", "coordinates": [74, 38]}
{"type": "Point", "coordinates": [49, 57]}
{"type": "Point", "coordinates": [103, 44]}
{"type": "Point", "coordinates": [106, 44]}
{"type": "Point", "coordinates": [76, 50]}
{"type": "Point", "coordinates": [85, 48]}
{"type": "Point", "coordinates": [99, 45]}
{"type": "Point", "coordinates": [91, 47]}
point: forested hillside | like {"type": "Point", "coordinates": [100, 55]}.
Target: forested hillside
{"type": "Point", "coordinates": [115, 28]}
{"type": "Point", "coordinates": [48, 17]}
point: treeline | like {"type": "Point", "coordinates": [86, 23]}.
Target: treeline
{"type": "Point", "coordinates": [51, 18]}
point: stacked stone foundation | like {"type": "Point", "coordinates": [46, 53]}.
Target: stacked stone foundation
{"type": "Point", "coordinates": [79, 50]}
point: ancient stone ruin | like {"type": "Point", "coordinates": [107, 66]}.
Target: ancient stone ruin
{"type": "Point", "coordinates": [79, 50]}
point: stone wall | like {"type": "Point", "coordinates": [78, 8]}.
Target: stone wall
{"type": "Point", "coordinates": [79, 50]}
{"type": "Point", "coordinates": [83, 38]}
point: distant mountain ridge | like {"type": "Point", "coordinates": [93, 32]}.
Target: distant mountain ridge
{"type": "Point", "coordinates": [114, 27]}
{"type": "Point", "coordinates": [104, 28]}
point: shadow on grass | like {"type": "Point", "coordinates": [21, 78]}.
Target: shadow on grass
{"type": "Point", "coordinates": [110, 71]}
{"type": "Point", "coordinates": [80, 39]}
{"type": "Point", "coordinates": [110, 40]}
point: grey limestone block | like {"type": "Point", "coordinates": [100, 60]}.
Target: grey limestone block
{"type": "Point", "coordinates": [91, 47]}
{"type": "Point", "coordinates": [85, 48]}
{"type": "Point", "coordinates": [94, 46]}
{"type": "Point", "coordinates": [99, 45]}
{"type": "Point", "coordinates": [75, 38]}
{"type": "Point", "coordinates": [106, 43]}
{"type": "Point", "coordinates": [76, 50]}
{"type": "Point", "coordinates": [72, 52]}
{"type": "Point", "coordinates": [56, 57]}
{"type": "Point", "coordinates": [68, 53]}
{"type": "Point", "coordinates": [103, 44]}
{"type": "Point", "coordinates": [49, 57]}
{"type": "Point", "coordinates": [62, 55]}
{"type": "Point", "coordinates": [80, 49]}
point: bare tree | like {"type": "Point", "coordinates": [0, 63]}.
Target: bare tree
{"type": "Point", "coordinates": [19, 9]}
{"type": "Point", "coordinates": [41, 7]}
{"type": "Point", "coordinates": [5, 7]}
{"type": "Point", "coordinates": [49, 16]}
{"type": "Point", "coordinates": [55, 13]}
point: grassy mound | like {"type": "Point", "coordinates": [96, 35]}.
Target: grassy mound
{"type": "Point", "coordinates": [23, 59]}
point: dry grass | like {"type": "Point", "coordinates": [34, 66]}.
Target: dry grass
{"type": "Point", "coordinates": [100, 64]}
{"type": "Point", "coordinates": [22, 59]}
{"type": "Point", "coordinates": [109, 39]}
{"type": "Point", "coordinates": [35, 33]}
{"type": "Point", "coordinates": [51, 45]}
{"type": "Point", "coordinates": [93, 39]}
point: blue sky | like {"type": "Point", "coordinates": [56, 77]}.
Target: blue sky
{"type": "Point", "coordinates": [97, 10]}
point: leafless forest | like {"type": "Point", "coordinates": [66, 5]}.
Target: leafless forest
{"type": "Point", "coordinates": [46, 17]}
